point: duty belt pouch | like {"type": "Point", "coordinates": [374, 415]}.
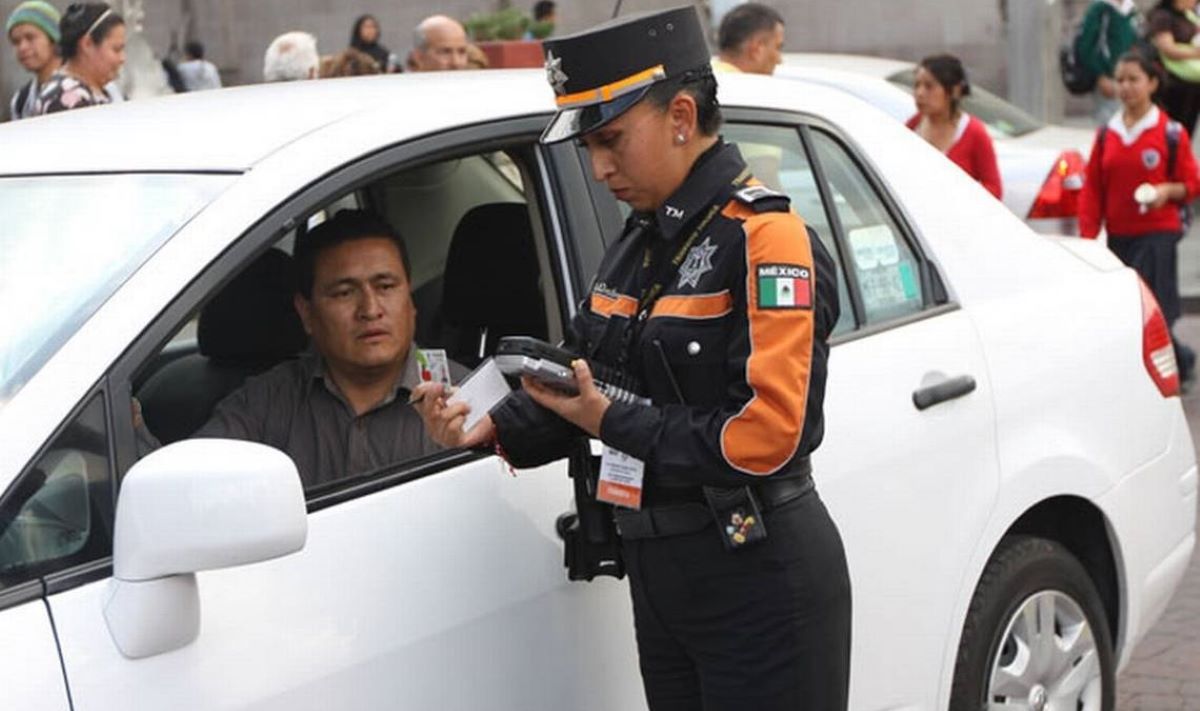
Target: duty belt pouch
{"type": "Point", "coordinates": [738, 516]}
{"type": "Point", "coordinates": [591, 544]}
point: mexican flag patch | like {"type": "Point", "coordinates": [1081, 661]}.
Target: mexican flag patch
{"type": "Point", "coordinates": [784, 286]}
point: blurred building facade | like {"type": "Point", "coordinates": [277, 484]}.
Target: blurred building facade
{"type": "Point", "coordinates": [237, 32]}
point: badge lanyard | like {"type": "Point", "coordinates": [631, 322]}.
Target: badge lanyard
{"type": "Point", "coordinates": [669, 269]}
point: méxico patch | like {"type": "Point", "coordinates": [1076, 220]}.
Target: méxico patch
{"type": "Point", "coordinates": [784, 286]}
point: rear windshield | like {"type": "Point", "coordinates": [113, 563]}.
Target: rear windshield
{"type": "Point", "coordinates": [68, 242]}
{"type": "Point", "coordinates": [1001, 117]}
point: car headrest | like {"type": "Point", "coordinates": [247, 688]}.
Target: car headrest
{"type": "Point", "coordinates": [491, 276]}
{"type": "Point", "coordinates": [252, 318]}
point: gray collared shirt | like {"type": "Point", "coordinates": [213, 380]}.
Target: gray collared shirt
{"type": "Point", "coordinates": [296, 408]}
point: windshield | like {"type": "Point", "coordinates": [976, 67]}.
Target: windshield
{"type": "Point", "coordinates": [66, 245]}
{"type": "Point", "coordinates": [1002, 118]}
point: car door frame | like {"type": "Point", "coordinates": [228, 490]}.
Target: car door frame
{"type": "Point", "coordinates": [256, 239]}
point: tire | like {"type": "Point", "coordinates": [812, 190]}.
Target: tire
{"type": "Point", "coordinates": [1001, 664]}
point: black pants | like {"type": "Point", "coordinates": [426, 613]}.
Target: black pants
{"type": "Point", "coordinates": [1182, 101]}
{"type": "Point", "coordinates": [1155, 258]}
{"type": "Point", "coordinates": [767, 627]}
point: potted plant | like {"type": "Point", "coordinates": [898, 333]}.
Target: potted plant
{"type": "Point", "coordinates": [501, 36]}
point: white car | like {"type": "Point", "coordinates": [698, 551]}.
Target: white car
{"type": "Point", "coordinates": [1042, 166]}
{"type": "Point", "coordinates": [1005, 456]}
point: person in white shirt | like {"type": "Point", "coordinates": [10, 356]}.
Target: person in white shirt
{"type": "Point", "coordinates": [197, 72]}
{"type": "Point", "coordinates": [291, 56]}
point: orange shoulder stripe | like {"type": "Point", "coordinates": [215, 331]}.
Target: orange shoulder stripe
{"type": "Point", "coordinates": [696, 306]}
{"type": "Point", "coordinates": [764, 435]}
{"type": "Point", "coordinates": [608, 306]}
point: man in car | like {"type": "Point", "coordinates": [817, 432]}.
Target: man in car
{"type": "Point", "coordinates": [439, 43]}
{"type": "Point", "coordinates": [750, 40]}
{"type": "Point", "coordinates": [343, 409]}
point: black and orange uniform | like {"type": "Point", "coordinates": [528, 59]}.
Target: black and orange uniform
{"type": "Point", "coordinates": [719, 303]}
{"type": "Point", "coordinates": [732, 354]}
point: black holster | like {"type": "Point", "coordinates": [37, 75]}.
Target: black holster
{"type": "Point", "coordinates": [592, 545]}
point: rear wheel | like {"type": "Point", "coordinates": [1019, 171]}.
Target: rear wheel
{"type": "Point", "coordinates": [1036, 636]}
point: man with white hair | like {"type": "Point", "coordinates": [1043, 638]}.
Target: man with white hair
{"type": "Point", "coordinates": [291, 56]}
{"type": "Point", "coordinates": [439, 43]}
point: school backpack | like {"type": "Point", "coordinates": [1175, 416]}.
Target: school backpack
{"type": "Point", "coordinates": [1072, 58]}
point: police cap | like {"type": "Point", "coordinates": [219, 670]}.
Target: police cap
{"type": "Point", "coordinates": [598, 74]}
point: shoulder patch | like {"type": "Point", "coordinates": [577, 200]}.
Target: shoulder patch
{"type": "Point", "coordinates": [763, 199]}
{"type": "Point", "coordinates": [784, 286]}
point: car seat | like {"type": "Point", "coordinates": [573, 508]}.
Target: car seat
{"type": "Point", "coordinates": [491, 286]}
{"type": "Point", "coordinates": [248, 327]}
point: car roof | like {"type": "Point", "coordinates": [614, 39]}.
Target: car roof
{"type": "Point", "coordinates": [880, 67]}
{"type": "Point", "coordinates": [175, 133]}
{"type": "Point", "coordinates": [160, 134]}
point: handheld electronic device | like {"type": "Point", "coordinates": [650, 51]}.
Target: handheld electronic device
{"type": "Point", "coordinates": [551, 365]}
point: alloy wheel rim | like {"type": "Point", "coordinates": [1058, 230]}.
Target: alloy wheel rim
{"type": "Point", "coordinates": [1047, 659]}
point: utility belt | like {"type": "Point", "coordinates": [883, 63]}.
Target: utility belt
{"type": "Point", "coordinates": [738, 512]}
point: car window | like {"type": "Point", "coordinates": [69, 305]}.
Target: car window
{"type": "Point", "coordinates": [59, 512]}
{"type": "Point", "coordinates": [60, 265]}
{"type": "Point", "coordinates": [884, 266]}
{"type": "Point", "coordinates": [480, 269]}
{"type": "Point", "coordinates": [1002, 118]}
{"type": "Point", "coordinates": [776, 156]}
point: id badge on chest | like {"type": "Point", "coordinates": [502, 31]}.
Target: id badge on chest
{"type": "Point", "coordinates": [620, 479]}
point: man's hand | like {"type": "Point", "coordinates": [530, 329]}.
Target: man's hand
{"type": "Point", "coordinates": [444, 422]}
{"type": "Point", "coordinates": [585, 410]}
{"type": "Point", "coordinates": [1107, 87]}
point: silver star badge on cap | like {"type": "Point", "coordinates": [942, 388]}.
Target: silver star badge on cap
{"type": "Point", "coordinates": [555, 75]}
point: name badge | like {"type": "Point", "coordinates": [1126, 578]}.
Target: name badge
{"type": "Point", "coordinates": [620, 479]}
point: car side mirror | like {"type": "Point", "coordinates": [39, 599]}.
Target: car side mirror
{"type": "Point", "coordinates": [195, 505]}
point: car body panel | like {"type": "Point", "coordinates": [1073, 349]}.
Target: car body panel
{"type": "Point", "coordinates": [1036, 324]}
{"type": "Point", "coordinates": [496, 613]}
{"type": "Point", "coordinates": [31, 676]}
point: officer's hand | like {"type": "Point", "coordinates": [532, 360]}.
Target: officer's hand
{"type": "Point", "coordinates": [585, 410]}
{"type": "Point", "coordinates": [444, 422]}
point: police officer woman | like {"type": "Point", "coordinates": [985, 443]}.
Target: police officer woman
{"type": "Point", "coordinates": [719, 301]}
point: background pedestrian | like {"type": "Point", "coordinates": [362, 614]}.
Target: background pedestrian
{"type": "Point", "coordinates": [292, 56]}
{"type": "Point", "coordinates": [1171, 29]}
{"type": "Point", "coordinates": [939, 88]}
{"type": "Point", "coordinates": [1109, 30]}
{"type": "Point", "coordinates": [93, 52]}
{"type": "Point", "coordinates": [197, 72]}
{"type": "Point", "coordinates": [32, 28]}
{"type": "Point", "coordinates": [348, 63]}
{"type": "Point", "coordinates": [439, 43]}
{"type": "Point", "coordinates": [1140, 174]}
{"type": "Point", "coordinates": [364, 37]}
{"type": "Point", "coordinates": [750, 39]}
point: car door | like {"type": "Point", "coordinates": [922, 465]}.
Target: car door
{"type": "Point", "coordinates": [909, 487]}
{"type": "Point", "coordinates": [435, 582]}
{"type": "Point", "coordinates": [52, 519]}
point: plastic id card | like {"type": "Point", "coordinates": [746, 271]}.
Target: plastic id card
{"type": "Point", "coordinates": [620, 479]}
{"type": "Point", "coordinates": [482, 390]}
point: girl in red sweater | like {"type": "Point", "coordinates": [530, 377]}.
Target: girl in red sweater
{"type": "Point", "coordinates": [940, 85]}
{"type": "Point", "coordinates": [1140, 173]}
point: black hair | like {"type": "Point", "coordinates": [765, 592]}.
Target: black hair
{"type": "Point", "coordinates": [1150, 65]}
{"type": "Point", "coordinates": [948, 71]}
{"type": "Point", "coordinates": [194, 49]}
{"type": "Point", "coordinates": [79, 18]}
{"type": "Point", "coordinates": [356, 39]}
{"type": "Point", "coordinates": [543, 9]}
{"type": "Point", "coordinates": [174, 78]}
{"type": "Point", "coordinates": [701, 85]}
{"type": "Point", "coordinates": [345, 226]}
{"type": "Point", "coordinates": [743, 22]}
{"type": "Point", "coordinates": [1169, 6]}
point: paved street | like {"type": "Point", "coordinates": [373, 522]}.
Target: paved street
{"type": "Point", "coordinates": [1165, 671]}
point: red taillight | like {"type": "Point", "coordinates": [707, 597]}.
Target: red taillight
{"type": "Point", "coordinates": [1059, 196]}
{"type": "Point", "coordinates": [1157, 351]}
